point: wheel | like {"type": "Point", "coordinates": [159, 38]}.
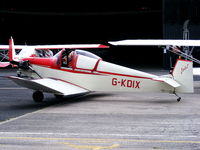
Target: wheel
{"type": "Point", "coordinates": [38, 96]}
{"type": "Point", "coordinates": [59, 97]}
{"type": "Point", "coordinates": [19, 74]}
{"type": "Point", "coordinates": [179, 99]}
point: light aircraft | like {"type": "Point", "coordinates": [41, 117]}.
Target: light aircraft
{"type": "Point", "coordinates": [85, 72]}
{"type": "Point", "coordinates": [24, 52]}
{"type": "Point", "coordinates": [35, 51]}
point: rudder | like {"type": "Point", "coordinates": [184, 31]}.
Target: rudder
{"type": "Point", "coordinates": [183, 74]}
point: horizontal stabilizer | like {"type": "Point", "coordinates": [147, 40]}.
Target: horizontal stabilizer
{"type": "Point", "coordinates": [50, 86]}
{"type": "Point", "coordinates": [169, 81]}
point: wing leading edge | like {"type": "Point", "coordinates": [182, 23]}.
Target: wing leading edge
{"type": "Point", "coordinates": [156, 42]}
{"type": "Point", "coordinates": [50, 86]}
{"type": "Point", "coordinates": [70, 46]}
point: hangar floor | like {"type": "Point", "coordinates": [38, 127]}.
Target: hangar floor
{"type": "Point", "coordinates": [98, 121]}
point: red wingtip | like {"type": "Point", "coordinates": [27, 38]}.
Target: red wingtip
{"type": "Point", "coordinates": [103, 46]}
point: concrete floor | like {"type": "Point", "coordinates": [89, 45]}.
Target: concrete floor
{"type": "Point", "coordinates": [98, 121]}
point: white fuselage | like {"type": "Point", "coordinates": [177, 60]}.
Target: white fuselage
{"type": "Point", "coordinates": [105, 77]}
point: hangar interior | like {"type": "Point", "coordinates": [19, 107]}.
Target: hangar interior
{"type": "Point", "coordinates": [181, 20]}
{"type": "Point", "coordinates": [35, 22]}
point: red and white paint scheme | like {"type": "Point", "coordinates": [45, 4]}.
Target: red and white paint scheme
{"type": "Point", "coordinates": [85, 72]}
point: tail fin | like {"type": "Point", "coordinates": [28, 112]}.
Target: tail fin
{"type": "Point", "coordinates": [11, 50]}
{"type": "Point", "coordinates": [183, 74]}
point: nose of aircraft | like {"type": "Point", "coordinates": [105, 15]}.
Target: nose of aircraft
{"type": "Point", "coordinates": [48, 62]}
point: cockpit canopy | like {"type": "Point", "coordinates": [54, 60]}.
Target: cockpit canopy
{"type": "Point", "coordinates": [77, 59]}
{"type": "Point", "coordinates": [86, 53]}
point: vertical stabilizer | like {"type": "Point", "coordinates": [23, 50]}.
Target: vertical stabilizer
{"type": "Point", "coordinates": [183, 74]}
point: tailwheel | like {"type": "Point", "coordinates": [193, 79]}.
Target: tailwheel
{"type": "Point", "coordinates": [179, 98]}
{"type": "Point", "coordinates": [38, 96]}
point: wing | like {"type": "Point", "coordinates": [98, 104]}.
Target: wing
{"type": "Point", "coordinates": [162, 43]}
{"type": "Point", "coordinates": [196, 71]}
{"type": "Point", "coordinates": [156, 42]}
{"type": "Point", "coordinates": [6, 47]}
{"type": "Point", "coordinates": [4, 64]}
{"type": "Point", "coordinates": [72, 46]}
{"type": "Point", "coordinates": [50, 86]}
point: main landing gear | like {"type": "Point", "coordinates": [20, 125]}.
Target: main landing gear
{"type": "Point", "coordinates": [38, 96]}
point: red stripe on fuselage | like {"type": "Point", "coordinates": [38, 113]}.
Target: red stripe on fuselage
{"type": "Point", "coordinates": [124, 75]}
{"type": "Point", "coordinates": [79, 71]}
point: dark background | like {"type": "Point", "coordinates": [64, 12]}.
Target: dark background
{"type": "Point", "coordinates": [67, 22]}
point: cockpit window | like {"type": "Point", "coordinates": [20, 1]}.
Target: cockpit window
{"type": "Point", "coordinates": [58, 54]}
{"type": "Point", "coordinates": [86, 53]}
{"type": "Point", "coordinates": [71, 55]}
{"type": "Point", "coordinates": [58, 57]}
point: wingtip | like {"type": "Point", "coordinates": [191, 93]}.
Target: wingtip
{"type": "Point", "coordinates": [103, 46]}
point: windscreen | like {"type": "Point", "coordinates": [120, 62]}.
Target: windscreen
{"type": "Point", "coordinates": [87, 54]}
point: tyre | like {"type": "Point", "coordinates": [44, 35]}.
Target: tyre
{"type": "Point", "coordinates": [38, 96]}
